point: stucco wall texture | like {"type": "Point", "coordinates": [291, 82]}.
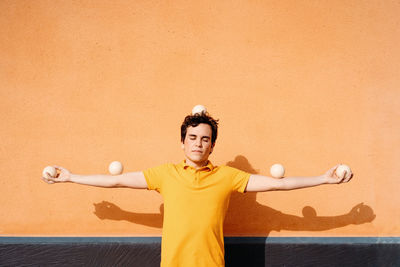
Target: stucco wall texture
{"type": "Point", "coordinates": [308, 84]}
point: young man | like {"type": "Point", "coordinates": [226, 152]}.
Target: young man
{"type": "Point", "coordinates": [196, 194]}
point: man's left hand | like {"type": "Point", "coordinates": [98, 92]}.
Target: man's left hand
{"type": "Point", "coordinates": [332, 178]}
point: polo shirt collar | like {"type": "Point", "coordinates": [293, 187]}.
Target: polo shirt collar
{"type": "Point", "coordinates": [209, 165]}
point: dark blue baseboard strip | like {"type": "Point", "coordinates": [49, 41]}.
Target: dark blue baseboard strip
{"type": "Point", "coordinates": [239, 251]}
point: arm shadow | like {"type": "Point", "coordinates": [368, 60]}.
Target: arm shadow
{"type": "Point", "coordinates": [110, 211]}
{"type": "Point", "coordinates": [262, 219]}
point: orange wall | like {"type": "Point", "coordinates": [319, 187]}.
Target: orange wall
{"type": "Point", "coordinates": [308, 84]}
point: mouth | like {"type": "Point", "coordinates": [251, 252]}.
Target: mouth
{"type": "Point", "coordinates": [197, 151]}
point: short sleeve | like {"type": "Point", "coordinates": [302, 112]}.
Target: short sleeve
{"type": "Point", "coordinates": [239, 180]}
{"type": "Point", "coordinates": [154, 177]}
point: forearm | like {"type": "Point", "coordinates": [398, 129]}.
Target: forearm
{"type": "Point", "coordinates": [259, 183]}
{"type": "Point", "coordinates": [290, 183]}
{"type": "Point", "coordinates": [94, 180]}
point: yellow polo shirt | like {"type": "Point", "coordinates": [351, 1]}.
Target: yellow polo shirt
{"type": "Point", "coordinates": [195, 204]}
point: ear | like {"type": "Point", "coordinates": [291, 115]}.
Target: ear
{"type": "Point", "coordinates": [182, 145]}
{"type": "Point", "coordinates": [212, 148]}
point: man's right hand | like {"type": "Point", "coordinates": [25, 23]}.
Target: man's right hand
{"type": "Point", "coordinates": [129, 179]}
{"type": "Point", "coordinates": [63, 175]}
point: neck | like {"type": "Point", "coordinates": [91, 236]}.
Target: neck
{"type": "Point", "coordinates": [196, 165]}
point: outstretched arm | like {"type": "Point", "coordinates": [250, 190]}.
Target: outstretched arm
{"type": "Point", "coordinates": [259, 183]}
{"type": "Point", "coordinates": [130, 179]}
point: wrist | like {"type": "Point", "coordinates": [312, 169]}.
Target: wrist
{"type": "Point", "coordinates": [71, 177]}
{"type": "Point", "coordinates": [324, 179]}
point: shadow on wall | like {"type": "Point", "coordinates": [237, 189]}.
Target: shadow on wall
{"type": "Point", "coordinates": [274, 220]}
{"type": "Point", "coordinates": [246, 204]}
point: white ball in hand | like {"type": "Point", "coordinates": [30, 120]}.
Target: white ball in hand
{"type": "Point", "coordinates": [115, 168]}
{"type": "Point", "coordinates": [277, 170]}
{"type": "Point", "coordinates": [341, 169]}
{"type": "Point", "coordinates": [51, 170]}
{"type": "Point", "coordinates": [199, 109]}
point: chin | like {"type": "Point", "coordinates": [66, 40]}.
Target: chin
{"type": "Point", "coordinates": [197, 160]}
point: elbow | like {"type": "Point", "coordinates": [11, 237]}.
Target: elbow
{"type": "Point", "coordinates": [114, 181]}
{"type": "Point", "coordinates": [279, 185]}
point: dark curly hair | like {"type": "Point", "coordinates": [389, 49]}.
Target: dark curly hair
{"type": "Point", "coordinates": [196, 119]}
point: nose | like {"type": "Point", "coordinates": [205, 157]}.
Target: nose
{"type": "Point", "coordinates": [198, 143]}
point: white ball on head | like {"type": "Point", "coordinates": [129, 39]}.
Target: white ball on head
{"type": "Point", "coordinates": [199, 109]}
{"type": "Point", "coordinates": [115, 168]}
{"type": "Point", "coordinates": [51, 170]}
{"type": "Point", "coordinates": [341, 169]}
{"type": "Point", "coordinates": [277, 170]}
